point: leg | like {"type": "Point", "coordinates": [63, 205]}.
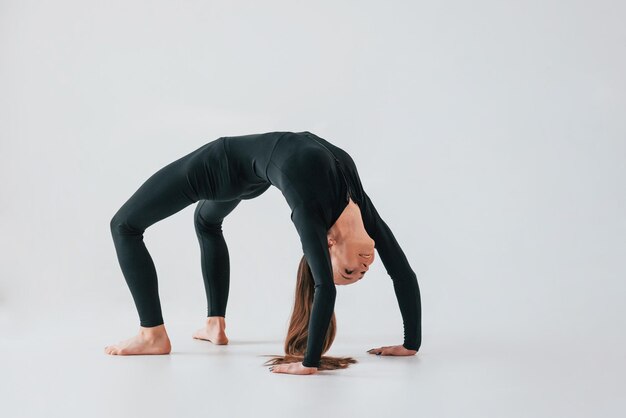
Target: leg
{"type": "Point", "coordinates": [215, 262]}
{"type": "Point", "coordinates": [166, 192]}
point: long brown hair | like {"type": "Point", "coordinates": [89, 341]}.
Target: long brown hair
{"type": "Point", "coordinates": [295, 343]}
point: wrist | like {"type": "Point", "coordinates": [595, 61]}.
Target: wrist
{"type": "Point", "coordinates": [307, 366]}
{"type": "Point", "coordinates": [409, 347]}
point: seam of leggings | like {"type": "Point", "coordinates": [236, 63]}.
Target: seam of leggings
{"type": "Point", "coordinates": [204, 255]}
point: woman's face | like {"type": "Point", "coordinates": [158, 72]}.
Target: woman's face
{"type": "Point", "coordinates": [350, 259]}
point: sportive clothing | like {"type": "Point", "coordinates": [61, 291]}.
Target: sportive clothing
{"type": "Point", "coordinates": [316, 178]}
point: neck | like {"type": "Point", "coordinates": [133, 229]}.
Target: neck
{"type": "Point", "coordinates": [350, 226]}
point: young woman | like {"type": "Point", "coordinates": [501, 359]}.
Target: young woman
{"type": "Point", "coordinates": [338, 226]}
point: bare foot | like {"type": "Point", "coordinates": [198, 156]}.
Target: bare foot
{"type": "Point", "coordinates": [213, 331]}
{"type": "Point", "coordinates": [153, 340]}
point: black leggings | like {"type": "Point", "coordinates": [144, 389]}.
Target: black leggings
{"type": "Point", "coordinates": [169, 190]}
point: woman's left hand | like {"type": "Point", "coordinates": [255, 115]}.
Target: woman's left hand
{"type": "Point", "coordinates": [392, 350]}
{"type": "Point", "coordinates": [293, 368]}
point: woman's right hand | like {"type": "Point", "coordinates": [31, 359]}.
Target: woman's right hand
{"type": "Point", "coordinates": [293, 368]}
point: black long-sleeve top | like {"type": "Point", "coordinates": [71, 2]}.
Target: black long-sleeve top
{"type": "Point", "coordinates": [317, 178]}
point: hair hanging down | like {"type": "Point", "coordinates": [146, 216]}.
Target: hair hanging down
{"type": "Point", "coordinates": [295, 343]}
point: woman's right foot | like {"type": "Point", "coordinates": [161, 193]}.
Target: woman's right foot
{"type": "Point", "coordinates": [153, 340]}
{"type": "Point", "coordinates": [213, 331]}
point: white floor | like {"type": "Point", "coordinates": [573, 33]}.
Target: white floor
{"type": "Point", "coordinates": [63, 372]}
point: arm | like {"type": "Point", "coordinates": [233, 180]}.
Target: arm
{"type": "Point", "coordinates": [404, 279]}
{"type": "Point", "coordinates": [315, 247]}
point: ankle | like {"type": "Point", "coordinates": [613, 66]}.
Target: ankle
{"type": "Point", "coordinates": [152, 333]}
{"type": "Point", "coordinates": [216, 321]}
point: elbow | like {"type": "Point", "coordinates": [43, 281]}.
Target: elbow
{"type": "Point", "coordinates": [401, 276]}
{"type": "Point", "coordinates": [328, 291]}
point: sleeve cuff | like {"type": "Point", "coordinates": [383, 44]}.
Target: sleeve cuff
{"type": "Point", "coordinates": [307, 364]}
{"type": "Point", "coordinates": [411, 346]}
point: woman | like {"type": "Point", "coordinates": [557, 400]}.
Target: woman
{"type": "Point", "coordinates": [338, 226]}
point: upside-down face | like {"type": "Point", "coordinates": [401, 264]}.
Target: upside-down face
{"type": "Point", "coordinates": [350, 259]}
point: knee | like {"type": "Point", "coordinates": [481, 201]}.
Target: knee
{"type": "Point", "coordinates": [116, 224]}
{"type": "Point", "coordinates": [119, 225]}
{"type": "Point", "coordinates": [205, 226]}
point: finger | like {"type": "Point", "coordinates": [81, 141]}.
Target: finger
{"type": "Point", "coordinates": [391, 351]}
{"type": "Point", "coordinates": [275, 368]}
{"type": "Point", "coordinates": [400, 351]}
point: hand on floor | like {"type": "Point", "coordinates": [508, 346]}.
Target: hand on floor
{"type": "Point", "coordinates": [293, 368]}
{"type": "Point", "coordinates": [392, 350]}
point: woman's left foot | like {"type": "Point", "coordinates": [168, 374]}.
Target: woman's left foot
{"type": "Point", "coordinates": [213, 331]}
{"type": "Point", "coordinates": [153, 340]}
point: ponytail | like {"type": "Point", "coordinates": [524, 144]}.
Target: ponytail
{"type": "Point", "coordinates": [298, 332]}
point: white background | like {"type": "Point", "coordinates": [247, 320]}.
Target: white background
{"type": "Point", "coordinates": [489, 134]}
